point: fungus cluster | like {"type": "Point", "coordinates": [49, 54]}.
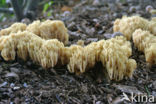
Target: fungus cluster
{"type": "Point", "coordinates": [42, 42]}
{"type": "Point", "coordinates": [49, 29]}
{"type": "Point", "coordinates": [127, 25]}
{"type": "Point", "coordinates": [142, 32]}
{"type": "Point", "coordinates": [114, 53]}
{"type": "Point", "coordinates": [146, 42]}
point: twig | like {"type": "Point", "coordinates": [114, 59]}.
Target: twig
{"type": "Point", "coordinates": [5, 10]}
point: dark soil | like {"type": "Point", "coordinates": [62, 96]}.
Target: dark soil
{"type": "Point", "coordinates": [28, 83]}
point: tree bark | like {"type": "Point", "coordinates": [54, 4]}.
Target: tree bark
{"type": "Point", "coordinates": [18, 10]}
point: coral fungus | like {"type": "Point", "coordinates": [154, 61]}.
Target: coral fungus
{"type": "Point", "coordinates": [127, 25]}
{"type": "Point", "coordinates": [48, 29]}
{"type": "Point", "coordinates": [27, 44]}
{"type": "Point", "coordinates": [14, 28]}
{"type": "Point", "coordinates": [113, 53]}
{"type": "Point", "coordinates": [146, 42]}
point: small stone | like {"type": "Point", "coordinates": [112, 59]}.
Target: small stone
{"type": "Point", "coordinates": [11, 103]}
{"type": "Point", "coordinates": [101, 32]}
{"type": "Point", "coordinates": [90, 31]}
{"type": "Point", "coordinates": [29, 63]}
{"type": "Point", "coordinates": [154, 93]}
{"type": "Point", "coordinates": [3, 84]}
{"type": "Point", "coordinates": [25, 85]}
{"type": "Point", "coordinates": [93, 39]}
{"type": "Point", "coordinates": [132, 9]}
{"type": "Point", "coordinates": [149, 8]}
{"type": "Point", "coordinates": [84, 89]}
{"type": "Point", "coordinates": [74, 35]}
{"type": "Point", "coordinates": [96, 2]}
{"type": "Point", "coordinates": [26, 100]}
{"type": "Point", "coordinates": [71, 25]}
{"type": "Point", "coordinates": [98, 102]}
{"type": "Point", "coordinates": [97, 25]}
{"type": "Point", "coordinates": [15, 70]}
{"type": "Point", "coordinates": [154, 84]}
{"type": "Point", "coordinates": [108, 35]}
{"type": "Point", "coordinates": [115, 15]}
{"type": "Point", "coordinates": [95, 20]}
{"type": "Point", "coordinates": [12, 74]}
{"type": "Point", "coordinates": [26, 21]}
{"type": "Point", "coordinates": [17, 100]}
{"type": "Point", "coordinates": [116, 34]}
{"type": "Point", "coordinates": [16, 88]}
{"type": "Point", "coordinates": [141, 57]}
{"type": "Point", "coordinates": [66, 13]}
{"type": "Point", "coordinates": [12, 85]}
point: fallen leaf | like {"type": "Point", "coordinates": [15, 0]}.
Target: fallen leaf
{"type": "Point", "coordinates": [66, 8]}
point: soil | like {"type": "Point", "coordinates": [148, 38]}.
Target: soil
{"type": "Point", "coordinates": [89, 20]}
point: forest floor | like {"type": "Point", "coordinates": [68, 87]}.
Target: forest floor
{"type": "Point", "coordinates": [27, 83]}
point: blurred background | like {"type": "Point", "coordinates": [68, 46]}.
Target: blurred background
{"type": "Point", "coordinates": [16, 10]}
{"type": "Point", "coordinates": [83, 18]}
